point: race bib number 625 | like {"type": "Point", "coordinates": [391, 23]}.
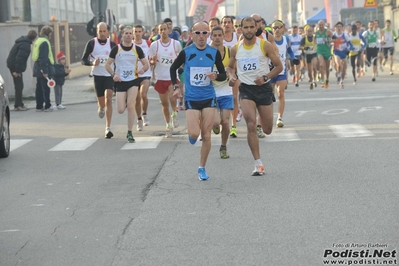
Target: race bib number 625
{"type": "Point", "coordinates": [249, 64]}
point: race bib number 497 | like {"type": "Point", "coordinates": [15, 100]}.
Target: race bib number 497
{"type": "Point", "coordinates": [198, 76]}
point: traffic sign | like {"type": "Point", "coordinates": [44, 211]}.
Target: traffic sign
{"type": "Point", "coordinates": [98, 6]}
{"type": "Point", "coordinates": [370, 4]}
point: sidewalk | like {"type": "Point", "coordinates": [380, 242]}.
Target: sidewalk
{"type": "Point", "coordinates": [75, 91]}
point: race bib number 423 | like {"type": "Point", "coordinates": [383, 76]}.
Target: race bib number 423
{"type": "Point", "coordinates": [198, 76]}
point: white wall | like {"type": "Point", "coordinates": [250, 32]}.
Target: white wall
{"type": "Point", "coordinates": [267, 10]}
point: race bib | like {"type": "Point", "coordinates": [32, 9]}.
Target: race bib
{"type": "Point", "coordinates": [126, 73]}
{"type": "Point", "coordinates": [319, 40]}
{"type": "Point", "coordinates": [103, 60]}
{"type": "Point", "coordinates": [342, 47]}
{"type": "Point", "coordinates": [310, 50]}
{"type": "Point", "coordinates": [198, 76]}
{"type": "Point", "coordinates": [249, 64]}
{"type": "Point", "coordinates": [373, 45]}
{"type": "Point", "coordinates": [166, 61]}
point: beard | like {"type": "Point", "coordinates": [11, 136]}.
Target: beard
{"type": "Point", "coordinates": [249, 36]}
{"type": "Point", "coordinates": [259, 32]}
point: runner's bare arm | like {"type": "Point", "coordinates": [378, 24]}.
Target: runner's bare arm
{"type": "Point", "coordinates": [274, 58]}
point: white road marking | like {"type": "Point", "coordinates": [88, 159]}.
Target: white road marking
{"type": "Point", "coordinates": [143, 143]}
{"type": "Point", "coordinates": [10, 230]}
{"type": "Point", "coordinates": [216, 140]}
{"type": "Point", "coordinates": [16, 143]}
{"type": "Point", "coordinates": [350, 131]}
{"type": "Point", "coordinates": [74, 144]}
{"type": "Point", "coordinates": [282, 134]}
{"type": "Point", "coordinates": [341, 98]}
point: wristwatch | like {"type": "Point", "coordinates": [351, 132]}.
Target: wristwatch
{"type": "Point", "coordinates": [265, 78]}
{"type": "Point", "coordinates": [175, 87]}
{"type": "Point", "coordinates": [112, 75]}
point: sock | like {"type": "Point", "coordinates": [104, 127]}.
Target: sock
{"type": "Point", "coordinates": [258, 162]}
{"type": "Point", "coordinates": [222, 147]}
{"type": "Point", "coordinates": [144, 113]}
{"type": "Point", "coordinates": [139, 118]}
{"type": "Point", "coordinates": [129, 131]}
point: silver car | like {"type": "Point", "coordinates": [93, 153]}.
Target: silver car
{"type": "Point", "coordinates": [4, 121]}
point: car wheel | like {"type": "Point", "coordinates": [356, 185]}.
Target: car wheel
{"type": "Point", "coordinates": [5, 138]}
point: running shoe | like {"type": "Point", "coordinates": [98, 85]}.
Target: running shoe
{"type": "Point", "coordinates": [51, 108]}
{"type": "Point", "coordinates": [175, 120]}
{"type": "Point", "coordinates": [192, 141]}
{"type": "Point", "coordinates": [146, 121]}
{"type": "Point", "coordinates": [259, 131]}
{"type": "Point", "coordinates": [202, 175]}
{"type": "Point", "coordinates": [130, 137]}
{"type": "Point", "coordinates": [108, 133]}
{"type": "Point", "coordinates": [391, 72]}
{"type": "Point", "coordinates": [61, 107]}
{"type": "Point", "coordinates": [140, 125]}
{"type": "Point", "coordinates": [279, 122]}
{"type": "Point", "coordinates": [216, 130]}
{"type": "Point", "coordinates": [101, 112]}
{"type": "Point", "coordinates": [239, 115]}
{"type": "Point", "coordinates": [169, 131]}
{"type": "Point", "coordinates": [224, 154]}
{"type": "Point", "coordinates": [233, 132]}
{"type": "Point", "coordinates": [296, 84]}
{"type": "Point", "coordinates": [326, 84]}
{"type": "Point", "coordinates": [373, 79]}
{"type": "Point", "coordinates": [259, 170]}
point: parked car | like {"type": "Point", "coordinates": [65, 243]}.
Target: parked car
{"type": "Point", "coordinates": [4, 121]}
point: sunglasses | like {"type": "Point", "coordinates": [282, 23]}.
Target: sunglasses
{"type": "Point", "coordinates": [237, 26]}
{"type": "Point", "coordinates": [277, 27]}
{"type": "Point", "coordinates": [201, 32]}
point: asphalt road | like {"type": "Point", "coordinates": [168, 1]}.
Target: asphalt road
{"type": "Point", "coordinates": [70, 197]}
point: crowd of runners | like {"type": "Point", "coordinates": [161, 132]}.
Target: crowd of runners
{"type": "Point", "coordinates": [226, 69]}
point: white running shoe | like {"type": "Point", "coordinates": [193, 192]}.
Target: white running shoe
{"type": "Point", "coordinates": [101, 112]}
{"type": "Point", "coordinates": [259, 170]}
{"type": "Point", "coordinates": [61, 107]}
{"type": "Point", "coordinates": [139, 125]}
{"type": "Point", "coordinates": [239, 116]}
{"type": "Point", "coordinates": [169, 131]}
{"type": "Point", "coordinates": [279, 122]}
{"type": "Point", "coordinates": [175, 120]}
{"type": "Point", "coordinates": [146, 121]}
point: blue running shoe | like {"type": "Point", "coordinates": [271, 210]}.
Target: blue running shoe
{"type": "Point", "coordinates": [192, 141]}
{"type": "Point", "coordinates": [202, 175]}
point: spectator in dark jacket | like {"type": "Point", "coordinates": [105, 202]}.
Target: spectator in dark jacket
{"type": "Point", "coordinates": [61, 71]}
{"type": "Point", "coordinates": [43, 68]}
{"type": "Point", "coordinates": [16, 62]}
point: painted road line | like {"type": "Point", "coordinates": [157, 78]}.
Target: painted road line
{"type": "Point", "coordinates": [16, 143]}
{"type": "Point", "coordinates": [216, 140]}
{"type": "Point", "coordinates": [282, 134]}
{"type": "Point", "coordinates": [350, 131]}
{"type": "Point", "coordinates": [74, 144]}
{"type": "Point", "coordinates": [143, 143]}
{"type": "Point", "coordinates": [342, 98]}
